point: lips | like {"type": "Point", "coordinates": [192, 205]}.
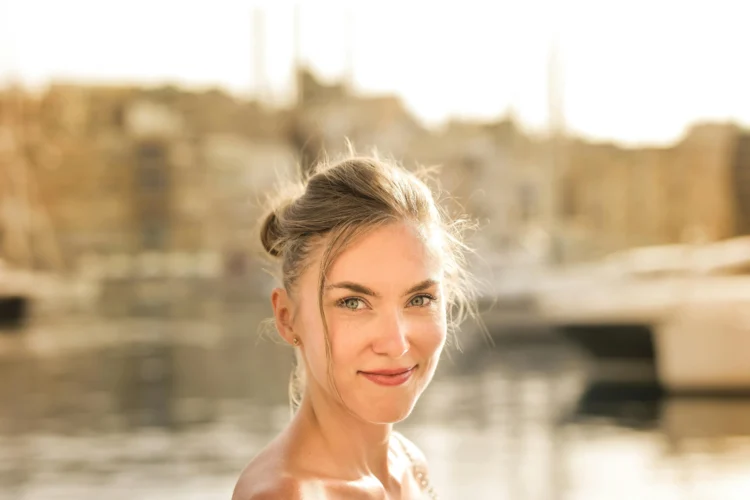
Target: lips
{"type": "Point", "coordinates": [391, 377]}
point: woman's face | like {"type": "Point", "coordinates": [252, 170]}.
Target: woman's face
{"type": "Point", "coordinates": [386, 317]}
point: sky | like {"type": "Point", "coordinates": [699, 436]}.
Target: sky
{"type": "Point", "coordinates": [635, 72]}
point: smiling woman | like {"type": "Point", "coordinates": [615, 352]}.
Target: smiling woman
{"type": "Point", "coordinates": [372, 282]}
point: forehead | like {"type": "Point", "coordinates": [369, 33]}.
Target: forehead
{"type": "Point", "coordinates": [397, 254]}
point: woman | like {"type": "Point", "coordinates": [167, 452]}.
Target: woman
{"type": "Point", "coordinates": [373, 279]}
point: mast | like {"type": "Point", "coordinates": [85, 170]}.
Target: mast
{"type": "Point", "coordinates": [556, 131]}
{"type": "Point", "coordinates": [259, 55]}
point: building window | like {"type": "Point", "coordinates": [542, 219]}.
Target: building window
{"type": "Point", "coordinates": [153, 235]}
{"type": "Point", "coordinates": [152, 165]}
{"type": "Point", "coordinates": [527, 202]}
{"type": "Point", "coordinates": [569, 201]}
{"type": "Point", "coordinates": [151, 179]}
{"type": "Point", "coordinates": [151, 152]}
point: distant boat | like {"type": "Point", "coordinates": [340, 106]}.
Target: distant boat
{"type": "Point", "coordinates": [695, 300]}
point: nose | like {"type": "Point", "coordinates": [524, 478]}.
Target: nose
{"type": "Point", "coordinates": [392, 338]}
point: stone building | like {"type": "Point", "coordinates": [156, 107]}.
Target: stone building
{"type": "Point", "coordinates": [617, 198]}
{"type": "Point", "coordinates": [123, 170]}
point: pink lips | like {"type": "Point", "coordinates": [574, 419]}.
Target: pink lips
{"type": "Point", "coordinates": [390, 377]}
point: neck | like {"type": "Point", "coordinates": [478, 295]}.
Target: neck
{"type": "Point", "coordinates": [343, 444]}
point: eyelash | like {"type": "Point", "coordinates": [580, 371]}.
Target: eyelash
{"type": "Point", "coordinates": [426, 295]}
{"type": "Point", "coordinates": [341, 302]}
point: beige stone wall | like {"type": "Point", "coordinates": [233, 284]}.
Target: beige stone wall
{"type": "Point", "coordinates": [223, 155]}
{"type": "Point", "coordinates": [621, 198]}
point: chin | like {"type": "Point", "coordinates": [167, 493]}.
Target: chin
{"type": "Point", "coordinates": [388, 415]}
{"type": "Point", "coordinates": [383, 412]}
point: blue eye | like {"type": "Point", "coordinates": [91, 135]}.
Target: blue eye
{"type": "Point", "coordinates": [351, 303]}
{"type": "Point", "coordinates": [421, 300]}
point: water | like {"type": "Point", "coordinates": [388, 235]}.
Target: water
{"type": "Point", "coordinates": [156, 409]}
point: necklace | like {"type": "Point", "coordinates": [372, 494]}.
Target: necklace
{"type": "Point", "coordinates": [420, 473]}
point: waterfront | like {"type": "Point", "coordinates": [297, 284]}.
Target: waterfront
{"type": "Point", "coordinates": [164, 409]}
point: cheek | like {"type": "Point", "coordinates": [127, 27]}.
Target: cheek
{"type": "Point", "coordinates": [431, 335]}
{"type": "Point", "coordinates": [310, 327]}
{"type": "Point", "coordinates": [349, 335]}
{"type": "Point", "coordinates": [353, 336]}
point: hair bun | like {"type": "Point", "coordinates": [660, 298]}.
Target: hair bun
{"type": "Point", "coordinates": [270, 234]}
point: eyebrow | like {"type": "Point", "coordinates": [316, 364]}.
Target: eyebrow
{"type": "Point", "coordinates": [422, 286]}
{"type": "Point", "coordinates": [354, 287]}
{"type": "Point", "coordinates": [358, 288]}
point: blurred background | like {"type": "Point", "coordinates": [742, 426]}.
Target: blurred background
{"type": "Point", "coordinates": [603, 147]}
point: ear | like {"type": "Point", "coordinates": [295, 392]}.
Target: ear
{"type": "Point", "coordinates": [282, 313]}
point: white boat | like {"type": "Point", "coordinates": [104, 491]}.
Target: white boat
{"type": "Point", "coordinates": [696, 300]}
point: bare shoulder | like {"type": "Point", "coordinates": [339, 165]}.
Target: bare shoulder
{"type": "Point", "coordinates": [265, 479]}
{"type": "Point", "coordinates": [252, 486]}
{"type": "Point", "coordinates": [412, 449]}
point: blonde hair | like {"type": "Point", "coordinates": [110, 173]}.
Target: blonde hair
{"type": "Point", "coordinates": [340, 201]}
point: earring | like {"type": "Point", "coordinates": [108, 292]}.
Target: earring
{"type": "Point", "coordinates": [296, 340]}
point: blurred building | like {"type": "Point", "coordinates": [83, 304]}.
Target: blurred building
{"type": "Point", "coordinates": [327, 116]}
{"type": "Point", "coordinates": [741, 178]}
{"type": "Point", "coordinates": [616, 198]}
{"type": "Point", "coordinates": [149, 184]}
{"type": "Point", "coordinates": [27, 236]}
{"type": "Point", "coordinates": [128, 171]}
{"type": "Point", "coordinates": [156, 170]}
{"type": "Point", "coordinates": [497, 174]}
